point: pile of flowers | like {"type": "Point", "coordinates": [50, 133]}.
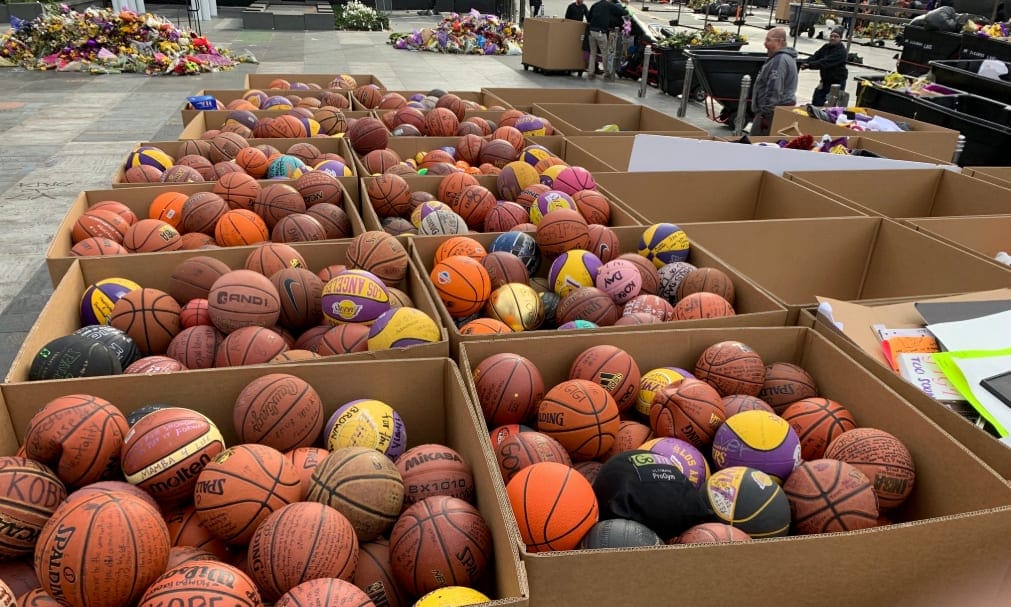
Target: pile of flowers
{"type": "Point", "coordinates": [1001, 30]}
{"type": "Point", "coordinates": [356, 16]}
{"type": "Point", "coordinates": [471, 34]}
{"type": "Point", "coordinates": [708, 36]}
{"type": "Point", "coordinates": [107, 41]}
{"type": "Point", "coordinates": [825, 144]}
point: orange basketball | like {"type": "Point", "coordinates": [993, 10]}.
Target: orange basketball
{"type": "Point", "coordinates": [554, 506]}
{"type": "Point", "coordinates": [179, 555]}
{"type": "Point", "coordinates": [287, 127]}
{"type": "Point", "coordinates": [378, 162]}
{"type": "Point", "coordinates": [202, 583]}
{"type": "Point", "coordinates": [344, 339]}
{"type": "Point", "coordinates": [473, 205]}
{"type": "Point", "coordinates": [272, 257]}
{"type": "Point", "coordinates": [379, 253]}
{"type": "Point", "coordinates": [509, 387]}
{"type": "Point", "coordinates": [562, 230]}
{"type": "Point", "coordinates": [243, 298]}
{"type": "Point", "coordinates": [582, 416]}
{"type": "Point", "coordinates": [121, 548]}
{"type": "Point", "coordinates": [786, 383]}
{"type": "Point", "coordinates": [468, 148]}
{"type": "Point", "coordinates": [306, 152]}
{"type": "Point", "coordinates": [441, 122]}
{"type": "Point", "coordinates": [298, 543]}
{"type": "Point", "coordinates": [732, 368]}
{"type": "Point", "coordinates": [711, 533]}
{"type": "Point", "coordinates": [29, 494]}
{"type": "Point", "coordinates": [462, 284]}
{"type": "Point", "coordinates": [116, 207]}
{"type": "Point", "coordinates": [301, 293]}
{"type": "Point", "coordinates": [253, 162]}
{"type": "Point", "coordinates": [195, 346]}
{"type": "Point", "coordinates": [882, 457]}
{"type": "Point", "coordinates": [702, 305]}
{"type": "Point", "coordinates": [510, 134]}
{"type": "Point", "coordinates": [362, 484]}
{"type": "Point", "coordinates": [523, 449]}
{"type": "Point", "coordinates": [593, 206]}
{"type": "Point", "coordinates": [434, 157]}
{"type": "Point", "coordinates": [202, 165]}
{"type": "Point", "coordinates": [305, 460]}
{"type": "Point", "coordinates": [276, 201]}
{"type": "Point", "coordinates": [192, 278]}
{"type": "Point", "coordinates": [612, 368]}
{"type": "Point", "coordinates": [142, 174]}
{"type": "Point", "coordinates": [278, 410]}
{"type": "Point", "coordinates": [149, 316]}
{"type": "Point", "coordinates": [485, 326]}
{"type": "Point", "coordinates": [196, 240]}
{"type": "Point", "coordinates": [430, 470]}
{"type": "Point", "coordinates": [186, 529]}
{"type": "Point", "coordinates": [691, 410]}
{"type": "Point", "coordinates": [631, 435]}
{"type": "Point", "coordinates": [240, 227]}
{"type": "Point", "coordinates": [237, 189]}
{"type": "Point", "coordinates": [101, 224]}
{"type": "Point", "coordinates": [151, 236]}
{"type": "Point", "coordinates": [334, 220]}
{"type": "Point", "coordinates": [528, 195]}
{"type": "Point", "coordinates": [167, 207]}
{"type": "Point", "coordinates": [374, 575]}
{"type": "Point", "coordinates": [829, 496]}
{"type": "Point", "coordinates": [709, 280]}
{"type": "Point", "coordinates": [503, 268]}
{"type": "Point", "coordinates": [323, 592]}
{"type": "Point", "coordinates": [249, 346]}
{"type": "Point", "coordinates": [451, 186]}
{"type": "Point", "coordinates": [390, 195]}
{"type": "Point", "coordinates": [93, 246]}
{"type": "Point", "coordinates": [299, 227]}
{"type": "Point", "coordinates": [460, 245]}
{"type": "Point", "coordinates": [505, 216]}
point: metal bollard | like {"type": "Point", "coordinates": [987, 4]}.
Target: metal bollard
{"type": "Point", "coordinates": [647, 53]}
{"type": "Point", "coordinates": [686, 90]}
{"type": "Point", "coordinates": [832, 99]}
{"type": "Point", "coordinates": [959, 147]}
{"type": "Point", "coordinates": [742, 106]}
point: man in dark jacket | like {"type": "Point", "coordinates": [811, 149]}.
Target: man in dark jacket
{"type": "Point", "coordinates": [830, 61]}
{"type": "Point", "coordinates": [601, 17]}
{"type": "Point", "coordinates": [776, 83]}
{"type": "Point", "coordinates": [576, 11]}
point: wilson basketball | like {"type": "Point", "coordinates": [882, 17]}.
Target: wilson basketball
{"type": "Point", "coordinates": [354, 296]}
{"type": "Point", "coordinates": [731, 367]}
{"type": "Point", "coordinates": [509, 387]}
{"type": "Point", "coordinates": [613, 369]}
{"type": "Point", "coordinates": [278, 410]}
{"type": "Point", "coordinates": [619, 533]}
{"type": "Point", "coordinates": [124, 548]}
{"type": "Point", "coordinates": [195, 582]}
{"type": "Point", "coordinates": [301, 296]}
{"type": "Point", "coordinates": [709, 280]}
{"type": "Point", "coordinates": [702, 305]}
{"type": "Point", "coordinates": [243, 298]}
{"type": "Point", "coordinates": [166, 449]}
{"type": "Point", "coordinates": [25, 511]}
{"type": "Point", "coordinates": [554, 506]}
{"type": "Point", "coordinates": [390, 195]}
{"type": "Point", "coordinates": [179, 555]}
{"type": "Point", "coordinates": [750, 500]}
{"type": "Point", "coordinates": [380, 254]}
{"type": "Point", "coordinates": [273, 257]}
{"type": "Point", "coordinates": [829, 496]}
{"type": "Point", "coordinates": [430, 470]}
{"type": "Point", "coordinates": [760, 440]}
{"type": "Point", "coordinates": [691, 410]}
{"type": "Point", "coordinates": [251, 345]}
{"type": "Point", "coordinates": [149, 316]}
{"type": "Point", "coordinates": [817, 422]}
{"type": "Point", "coordinates": [739, 403]}
{"type": "Point", "coordinates": [374, 575]}
{"type": "Point", "coordinates": [195, 346]}
{"type": "Point", "coordinates": [882, 457]}
{"type": "Point", "coordinates": [462, 284]}
{"type": "Point", "coordinates": [334, 220]}
{"type": "Point", "coordinates": [363, 485]}
{"type": "Point", "coordinates": [786, 383]}
{"type": "Point", "coordinates": [712, 533]}
{"type": "Point", "coordinates": [99, 224]}
{"type": "Point", "coordinates": [582, 416]}
{"type": "Point", "coordinates": [367, 134]}
{"type": "Point", "coordinates": [504, 268]}
{"type": "Point", "coordinates": [523, 449]}
{"type": "Point", "coordinates": [186, 529]}
{"type": "Point", "coordinates": [587, 303]}
{"type": "Point", "coordinates": [301, 542]}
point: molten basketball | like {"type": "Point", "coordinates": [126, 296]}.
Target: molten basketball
{"type": "Point", "coordinates": [363, 485]}
{"type": "Point", "coordinates": [582, 416]}
{"type": "Point", "coordinates": [278, 410]}
{"type": "Point", "coordinates": [509, 387]}
{"type": "Point", "coordinates": [817, 422]}
{"type": "Point", "coordinates": [554, 506]}
{"type": "Point", "coordinates": [828, 496]}
{"type": "Point", "coordinates": [690, 410]}
{"type": "Point", "coordinates": [732, 368]}
{"type": "Point", "coordinates": [517, 451]}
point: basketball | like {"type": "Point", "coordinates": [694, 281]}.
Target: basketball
{"type": "Point", "coordinates": [514, 178]}
{"type": "Point", "coordinates": [196, 240]}
{"type": "Point", "coordinates": [504, 216]}
{"type": "Point", "coordinates": [649, 272]}
{"type": "Point", "coordinates": [517, 305]}
{"type": "Point", "coordinates": [344, 339]}
{"type": "Point", "coordinates": [671, 276]}
{"type": "Point", "coordinates": [149, 156]}
{"type": "Point", "coordinates": [460, 245]}
{"type": "Point", "coordinates": [366, 423]}
{"type": "Point", "coordinates": [549, 201]}
{"type": "Point", "coordinates": [253, 161]}
{"type": "Point", "coordinates": [439, 541]}
{"type": "Point", "coordinates": [451, 187]}
{"type": "Point", "coordinates": [243, 298]}
{"type": "Point", "coordinates": [709, 280]}
{"type": "Point", "coordinates": [25, 511]}
{"type": "Point", "coordinates": [664, 243]}
{"type": "Point", "coordinates": [165, 450]}
{"type": "Point", "coordinates": [226, 146]}
{"type": "Point", "coordinates": [142, 174]}
{"type": "Point", "coordinates": [590, 304]}
{"type": "Point", "coordinates": [498, 153]}
{"type": "Point", "coordinates": [759, 440]}
{"type": "Point", "coordinates": [462, 284]}
{"type": "Point", "coordinates": [521, 245]}
{"type": "Point", "coordinates": [276, 201]}
{"type": "Point", "coordinates": [702, 305]}
{"type": "Point", "coordinates": [452, 596]}
{"type": "Point", "coordinates": [430, 470]}
{"type": "Point", "coordinates": [882, 457]}
{"type": "Point", "coordinates": [301, 296]}
{"type": "Point", "coordinates": [73, 356]}
{"type": "Point", "coordinates": [712, 533]}
{"type": "Point", "coordinates": [238, 489]}
{"type": "Point", "coordinates": [150, 365]}
{"type": "Point", "coordinates": [186, 529]}
{"type": "Point", "coordinates": [574, 179]}
{"type": "Point", "coordinates": [363, 485]}
{"type": "Point", "coordinates": [323, 592]}
{"type": "Point", "coordinates": [508, 388]}
{"type": "Point", "coordinates": [654, 305]}
{"type": "Point", "coordinates": [523, 449]}
{"type": "Point", "coordinates": [122, 549]}
{"type": "Point", "coordinates": [817, 422]}
{"type": "Point", "coordinates": [612, 368]}
{"type": "Point", "coordinates": [484, 326]}
{"type": "Point", "coordinates": [652, 382]}
{"type": "Point", "coordinates": [683, 455]}
{"type": "Point", "coordinates": [98, 299]}
{"type": "Point", "coordinates": [830, 496]}
{"type": "Point", "coordinates": [504, 268]}
{"type": "Point", "coordinates": [786, 383]}
{"type": "Point", "coordinates": [468, 149]}
{"type": "Point", "coordinates": [334, 220]}
{"type": "Point", "coordinates": [374, 575]}
{"type": "Point", "coordinates": [631, 435]}
{"type": "Point", "coordinates": [195, 346]}
{"type": "Point", "coordinates": [298, 227]}
{"type": "Point", "coordinates": [573, 269]}
{"type": "Point", "coordinates": [367, 134]}
{"type": "Point", "coordinates": [402, 327]}
{"type": "Point", "coordinates": [201, 212]}
{"type": "Point", "coordinates": [380, 254]}
{"type": "Point", "coordinates": [441, 122]}
{"type": "Point", "coordinates": [582, 416]}
{"type": "Point", "coordinates": [149, 316]}
{"type": "Point", "coordinates": [354, 296]}
{"type": "Point", "coordinates": [619, 533]}
{"type": "Point", "coordinates": [732, 368]}
{"type": "Point", "coordinates": [749, 500]}
{"type": "Point", "coordinates": [332, 121]}
{"type": "Point", "coordinates": [474, 204]}
{"type": "Point", "coordinates": [271, 257]}
{"type": "Point", "coordinates": [251, 345]}
{"type": "Point", "coordinates": [181, 173]}
{"type": "Point", "coordinates": [193, 278]}
{"type": "Point", "coordinates": [593, 206]}
{"type": "Point", "coordinates": [93, 246]}
{"type": "Point", "coordinates": [240, 227]}
{"type": "Point", "coordinates": [180, 555]}
{"type": "Point", "coordinates": [207, 582]}
{"type": "Point", "coordinates": [620, 279]}
{"type": "Point", "coordinates": [378, 162]}
{"type": "Point", "coordinates": [390, 195]}
{"type": "Point", "coordinates": [318, 187]}
{"type": "Point", "coordinates": [301, 542]}
{"type": "Point", "coordinates": [305, 460]}
{"type": "Point", "coordinates": [278, 410]}
{"type": "Point", "coordinates": [739, 403]}
{"type": "Point", "coordinates": [562, 230]}
{"type": "Point", "coordinates": [99, 223]}
{"type": "Point", "coordinates": [151, 236]}
{"type": "Point", "coordinates": [691, 410]}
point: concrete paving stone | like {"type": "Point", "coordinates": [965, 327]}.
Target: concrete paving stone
{"type": "Point", "coordinates": [32, 288]}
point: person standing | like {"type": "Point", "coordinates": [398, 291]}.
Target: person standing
{"type": "Point", "coordinates": [576, 11]}
{"type": "Point", "coordinates": [776, 83]}
{"type": "Point", "coordinates": [830, 61]}
{"type": "Point", "coordinates": [536, 8]}
{"type": "Point", "coordinates": [601, 16]}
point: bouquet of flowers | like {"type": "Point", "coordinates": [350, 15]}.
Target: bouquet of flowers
{"type": "Point", "coordinates": [472, 34]}
{"type": "Point", "coordinates": [356, 16]}
{"type": "Point", "coordinates": [708, 36]}
{"type": "Point", "coordinates": [1000, 30]}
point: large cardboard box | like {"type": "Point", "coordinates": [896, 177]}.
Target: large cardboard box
{"type": "Point", "coordinates": [225, 96]}
{"type": "Point", "coordinates": [263, 81]}
{"type": "Point", "coordinates": [445, 416]}
{"type": "Point", "coordinates": [847, 258]}
{"type": "Point", "coordinates": [983, 235]}
{"type": "Point", "coordinates": [336, 145]}
{"type": "Point", "coordinates": [999, 175]}
{"type": "Point", "coordinates": [733, 196]}
{"type": "Point", "coordinates": [848, 326]}
{"type": "Point", "coordinates": [562, 146]}
{"type": "Point", "coordinates": [945, 549]}
{"type": "Point", "coordinates": [923, 138]}
{"type": "Point", "coordinates": [59, 257]}
{"type": "Point", "coordinates": [754, 307]}
{"type": "Point", "coordinates": [553, 44]}
{"type": "Point", "coordinates": [524, 98]}
{"type": "Point", "coordinates": [61, 314]}
{"type": "Point", "coordinates": [215, 119]}
{"type": "Point", "coordinates": [571, 119]}
{"type": "Point", "coordinates": [907, 193]}
{"type": "Point", "coordinates": [856, 142]}
{"type": "Point", "coordinates": [613, 151]}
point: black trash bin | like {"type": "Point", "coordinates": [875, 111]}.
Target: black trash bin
{"type": "Point", "coordinates": [802, 21]}
{"type": "Point", "coordinates": [963, 74]}
{"type": "Point", "coordinates": [983, 47]}
{"type": "Point", "coordinates": [921, 46]}
{"type": "Point", "coordinates": [720, 73]}
{"type": "Point", "coordinates": [671, 69]}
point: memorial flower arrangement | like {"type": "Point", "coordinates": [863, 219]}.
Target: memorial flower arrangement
{"type": "Point", "coordinates": [1000, 30]}
{"type": "Point", "coordinates": [471, 34]}
{"type": "Point", "coordinates": [107, 41]}
{"type": "Point", "coordinates": [356, 16]}
{"type": "Point", "coordinates": [708, 36]}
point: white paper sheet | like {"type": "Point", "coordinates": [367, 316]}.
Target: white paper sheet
{"type": "Point", "coordinates": [991, 332]}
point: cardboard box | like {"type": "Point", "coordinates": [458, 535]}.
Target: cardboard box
{"type": "Point", "coordinates": [215, 119]}
{"type": "Point", "coordinates": [848, 327]}
{"type": "Point", "coordinates": [61, 314]}
{"type": "Point", "coordinates": [732, 196]}
{"type": "Point", "coordinates": [562, 146]}
{"type": "Point", "coordinates": [225, 96]}
{"type": "Point", "coordinates": [262, 81]}
{"type": "Point", "coordinates": [998, 175]}
{"type": "Point", "coordinates": [856, 142]}
{"type": "Point", "coordinates": [59, 257]}
{"type": "Point", "coordinates": [444, 416]}
{"type": "Point", "coordinates": [983, 235]}
{"type": "Point", "coordinates": [754, 307]}
{"type": "Point", "coordinates": [923, 138]}
{"type": "Point", "coordinates": [613, 151]}
{"type": "Point", "coordinates": [909, 193]}
{"type": "Point", "coordinates": [336, 145]}
{"type": "Point", "coordinates": [573, 119]}
{"type": "Point", "coordinates": [553, 44]}
{"type": "Point", "coordinates": [524, 98]}
{"type": "Point", "coordinates": [847, 258]}
{"type": "Point", "coordinates": [947, 549]}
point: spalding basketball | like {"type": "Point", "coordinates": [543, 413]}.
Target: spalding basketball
{"type": "Point", "coordinates": [509, 387]}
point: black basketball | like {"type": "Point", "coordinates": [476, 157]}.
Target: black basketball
{"type": "Point", "coordinates": [73, 356]}
{"type": "Point", "coordinates": [619, 533]}
{"type": "Point", "coordinates": [134, 416]}
{"type": "Point", "coordinates": [121, 344]}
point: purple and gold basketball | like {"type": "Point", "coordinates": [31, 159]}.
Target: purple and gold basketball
{"type": "Point", "coordinates": [757, 439]}
{"type": "Point", "coordinates": [572, 270]}
{"type": "Point", "coordinates": [402, 327]}
{"type": "Point", "coordinates": [366, 422]}
{"type": "Point", "coordinates": [550, 201]}
{"type": "Point", "coordinates": [355, 296]}
{"type": "Point", "coordinates": [532, 154]}
{"type": "Point", "coordinates": [98, 299]}
{"type": "Point", "coordinates": [530, 125]}
{"type": "Point", "coordinates": [683, 455]}
{"type": "Point", "coordinates": [334, 168]}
